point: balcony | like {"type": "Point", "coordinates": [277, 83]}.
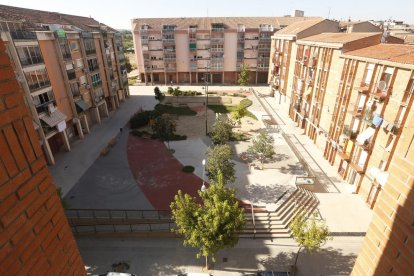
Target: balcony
{"type": "Point", "coordinates": [90, 52]}
{"type": "Point", "coordinates": [71, 74]}
{"type": "Point", "coordinates": [217, 30]}
{"type": "Point", "coordinates": [75, 91]}
{"type": "Point", "coordinates": [217, 50]}
{"type": "Point", "coordinates": [380, 95]}
{"type": "Point", "coordinates": [23, 35]}
{"type": "Point", "coordinates": [97, 84]}
{"type": "Point", "coordinates": [217, 40]}
{"type": "Point", "coordinates": [31, 61]}
{"type": "Point", "coordinates": [38, 85]}
{"type": "Point", "coordinates": [44, 107]}
{"type": "Point", "coordinates": [364, 88]}
{"type": "Point", "coordinates": [66, 55]}
{"type": "Point", "coordinates": [348, 132]}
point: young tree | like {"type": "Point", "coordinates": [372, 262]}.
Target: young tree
{"type": "Point", "coordinates": [238, 114]}
{"type": "Point", "coordinates": [212, 225]}
{"type": "Point", "coordinates": [158, 94]}
{"type": "Point", "coordinates": [164, 128]}
{"type": "Point", "coordinates": [221, 132]}
{"type": "Point", "coordinates": [262, 147]}
{"type": "Point", "coordinates": [244, 75]}
{"type": "Point", "coordinates": [308, 233]}
{"type": "Point", "coordinates": [219, 161]}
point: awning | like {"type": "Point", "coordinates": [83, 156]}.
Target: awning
{"type": "Point", "coordinates": [365, 135]}
{"type": "Point", "coordinates": [81, 105]}
{"type": "Point", "coordinates": [53, 118]}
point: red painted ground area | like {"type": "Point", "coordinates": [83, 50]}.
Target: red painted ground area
{"type": "Point", "coordinates": [157, 173]}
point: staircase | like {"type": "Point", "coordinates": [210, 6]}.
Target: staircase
{"type": "Point", "coordinates": [275, 224]}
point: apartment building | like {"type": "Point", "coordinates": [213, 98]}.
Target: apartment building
{"type": "Point", "coordinates": [316, 76]}
{"type": "Point", "coordinates": [35, 235]}
{"type": "Point", "coordinates": [383, 82]}
{"type": "Point", "coordinates": [358, 27]}
{"type": "Point", "coordinates": [185, 50]}
{"type": "Point", "coordinates": [71, 68]}
{"type": "Point", "coordinates": [284, 48]}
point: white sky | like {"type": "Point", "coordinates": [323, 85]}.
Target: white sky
{"type": "Point", "coordinates": [118, 13]}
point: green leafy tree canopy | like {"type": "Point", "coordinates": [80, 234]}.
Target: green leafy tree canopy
{"type": "Point", "coordinates": [219, 162]}
{"type": "Point", "coordinates": [310, 234]}
{"type": "Point", "coordinates": [262, 147]}
{"type": "Point", "coordinates": [164, 128]}
{"type": "Point", "coordinates": [212, 225]}
{"type": "Point", "coordinates": [244, 75]}
{"type": "Point", "coordinates": [221, 132]}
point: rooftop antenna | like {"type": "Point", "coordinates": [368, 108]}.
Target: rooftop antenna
{"type": "Point", "coordinates": [329, 12]}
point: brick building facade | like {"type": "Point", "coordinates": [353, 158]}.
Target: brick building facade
{"type": "Point", "coordinates": [35, 236]}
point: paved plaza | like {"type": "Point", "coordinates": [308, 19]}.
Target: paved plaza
{"type": "Point", "coordinates": [143, 174]}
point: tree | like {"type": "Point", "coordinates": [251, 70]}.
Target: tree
{"type": "Point", "coordinates": [221, 132]}
{"type": "Point", "coordinates": [128, 65]}
{"type": "Point", "coordinates": [238, 114]}
{"type": "Point", "coordinates": [262, 147]}
{"type": "Point", "coordinates": [308, 233]}
{"type": "Point", "coordinates": [244, 75]}
{"type": "Point", "coordinates": [164, 128]}
{"type": "Point", "coordinates": [219, 161]}
{"type": "Point", "coordinates": [212, 225]}
{"type": "Point", "coordinates": [158, 95]}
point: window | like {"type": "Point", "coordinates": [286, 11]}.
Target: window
{"type": "Point", "coordinates": [29, 55]}
{"type": "Point", "coordinates": [74, 87]}
{"type": "Point", "coordinates": [42, 101]}
{"type": "Point", "coordinates": [89, 46]}
{"type": "Point", "coordinates": [79, 63]}
{"type": "Point", "coordinates": [64, 48]}
{"type": "Point", "coordinates": [37, 79]}
{"type": "Point", "coordinates": [93, 64]}
{"type": "Point", "coordinates": [74, 46]}
{"type": "Point", "coordinates": [96, 80]}
{"type": "Point", "coordinates": [368, 74]}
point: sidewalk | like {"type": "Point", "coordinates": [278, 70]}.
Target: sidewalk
{"type": "Point", "coordinates": [70, 166]}
{"type": "Point", "coordinates": [344, 211]}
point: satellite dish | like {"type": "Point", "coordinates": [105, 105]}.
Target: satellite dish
{"type": "Point", "coordinates": [382, 85]}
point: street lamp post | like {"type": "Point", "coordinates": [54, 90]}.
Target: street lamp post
{"type": "Point", "coordinates": [206, 80]}
{"type": "Point", "coordinates": [203, 187]}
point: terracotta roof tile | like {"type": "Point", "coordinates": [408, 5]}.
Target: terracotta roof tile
{"type": "Point", "coordinates": [299, 26]}
{"type": "Point", "coordinates": [402, 53]}
{"type": "Point", "coordinates": [338, 38]}
{"type": "Point", "coordinates": [32, 17]}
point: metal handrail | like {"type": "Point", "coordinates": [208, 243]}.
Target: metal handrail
{"type": "Point", "coordinates": [117, 213]}
{"type": "Point", "coordinates": [254, 222]}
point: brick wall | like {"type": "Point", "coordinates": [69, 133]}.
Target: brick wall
{"type": "Point", "coordinates": [388, 247]}
{"type": "Point", "coordinates": [35, 236]}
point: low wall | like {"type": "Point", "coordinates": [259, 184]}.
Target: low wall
{"type": "Point", "coordinates": [213, 100]}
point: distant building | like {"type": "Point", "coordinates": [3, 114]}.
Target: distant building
{"type": "Point", "coordinates": [184, 50]}
{"type": "Point", "coordinates": [298, 13]}
{"type": "Point", "coordinates": [358, 26]}
{"type": "Point", "coordinates": [71, 68]}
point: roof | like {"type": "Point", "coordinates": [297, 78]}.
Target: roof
{"type": "Point", "coordinates": [337, 38]}
{"type": "Point", "coordinates": [299, 26]}
{"type": "Point", "coordinates": [205, 22]}
{"type": "Point", "coordinates": [401, 53]}
{"type": "Point", "coordinates": [345, 24]}
{"type": "Point", "coordinates": [32, 17]}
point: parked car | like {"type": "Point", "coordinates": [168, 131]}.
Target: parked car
{"type": "Point", "coordinates": [268, 273]}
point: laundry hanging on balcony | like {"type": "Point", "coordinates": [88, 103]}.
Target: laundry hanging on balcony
{"type": "Point", "coordinates": [365, 135]}
{"type": "Point", "coordinates": [377, 120]}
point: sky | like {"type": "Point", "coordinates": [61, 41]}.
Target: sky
{"type": "Point", "coordinates": [118, 13]}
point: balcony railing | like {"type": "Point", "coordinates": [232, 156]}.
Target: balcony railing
{"type": "Point", "coordinates": [97, 84]}
{"type": "Point", "coordinates": [217, 29]}
{"type": "Point", "coordinates": [217, 50]}
{"type": "Point", "coordinates": [44, 107]}
{"type": "Point", "coordinates": [217, 39]}
{"type": "Point", "coordinates": [31, 61]}
{"type": "Point", "coordinates": [23, 35]}
{"type": "Point", "coordinates": [170, 69]}
{"type": "Point", "coordinates": [90, 52]}
{"type": "Point", "coordinates": [38, 85]}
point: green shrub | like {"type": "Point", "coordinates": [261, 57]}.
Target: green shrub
{"type": "Point", "coordinates": [188, 169]}
{"type": "Point", "coordinates": [142, 118]}
{"type": "Point", "coordinates": [245, 103]}
{"type": "Point", "coordinates": [170, 90]}
{"type": "Point", "coordinates": [178, 137]}
{"type": "Point", "coordinates": [140, 133]}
